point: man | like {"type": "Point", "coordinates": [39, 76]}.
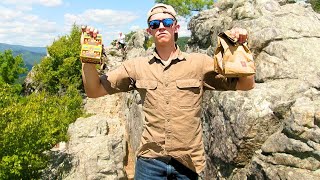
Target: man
{"type": "Point", "coordinates": [122, 41]}
{"type": "Point", "coordinates": [171, 84]}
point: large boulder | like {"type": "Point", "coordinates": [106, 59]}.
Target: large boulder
{"type": "Point", "coordinates": [272, 131]}
{"type": "Point", "coordinates": [97, 147]}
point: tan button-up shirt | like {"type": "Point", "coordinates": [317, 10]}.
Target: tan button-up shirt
{"type": "Point", "coordinates": [171, 97]}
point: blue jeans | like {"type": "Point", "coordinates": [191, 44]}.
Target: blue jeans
{"type": "Point", "coordinates": [154, 169]}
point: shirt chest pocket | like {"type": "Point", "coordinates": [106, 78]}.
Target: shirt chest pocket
{"type": "Point", "coordinates": [148, 93]}
{"type": "Point", "coordinates": [188, 93]}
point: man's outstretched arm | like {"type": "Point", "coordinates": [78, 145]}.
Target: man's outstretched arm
{"type": "Point", "coordinates": [245, 83]}
{"type": "Point", "coordinates": [90, 77]}
{"type": "Point", "coordinates": [91, 81]}
{"type": "Point", "coordinates": [248, 82]}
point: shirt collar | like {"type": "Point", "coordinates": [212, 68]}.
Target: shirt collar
{"type": "Point", "coordinates": [179, 56]}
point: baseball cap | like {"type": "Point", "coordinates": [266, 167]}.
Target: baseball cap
{"type": "Point", "coordinates": [162, 8]}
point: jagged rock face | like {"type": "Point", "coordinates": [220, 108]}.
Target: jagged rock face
{"type": "Point", "coordinates": [97, 145]}
{"type": "Point", "coordinates": [138, 38]}
{"type": "Point", "coordinates": [29, 85]}
{"type": "Point", "coordinates": [97, 149]}
{"type": "Point", "coordinates": [272, 131]}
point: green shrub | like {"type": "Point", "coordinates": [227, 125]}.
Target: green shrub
{"type": "Point", "coordinates": [182, 42]}
{"type": "Point", "coordinates": [315, 5]}
{"type": "Point", "coordinates": [148, 43]}
{"type": "Point", "coordinates": [113, 53]}
{"type": "Point", "coordinates": [11, 67]}
{"type": "Point", "coordinates": [114, 42]}
{"type": "Point", "coordinates": [62, 68]}
{"type": "Point", "coordinates": [129, 36]}
{"type": "Point", "coordinates": [32, 125]}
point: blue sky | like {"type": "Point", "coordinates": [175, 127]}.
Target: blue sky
{"type": "Point", "coordinates": [39, 22]}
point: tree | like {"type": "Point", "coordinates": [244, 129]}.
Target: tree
{"type": "Point", "coordinates": [129, 36]}
{"type": "Point", "coordinates": [315, 5]}
{"type": "Point", "coordinates": [62, 68]}
{"type": "Point", "coordinates": [31, 125]}
{"type": "Point", "coordinates": [11, 67]}
{"type": "Point", "coordinates": [182, 42]}
{"type": "Point", "coordinates": [185, 7]}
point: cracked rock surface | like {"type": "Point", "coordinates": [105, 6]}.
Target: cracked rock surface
{"type": "Point", "coordinates": [272, 131]}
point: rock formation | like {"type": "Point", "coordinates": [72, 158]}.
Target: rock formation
{"type": "Point", "coordinates": [270, 132]}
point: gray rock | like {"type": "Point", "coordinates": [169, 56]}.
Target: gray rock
{"type": "Point", "coordinates": [270, 132]}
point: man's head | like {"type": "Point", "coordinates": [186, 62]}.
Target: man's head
{"type": "Point", "coordinates": [162, 8]}
{"type": "Point", "coordinates": [162, 23]}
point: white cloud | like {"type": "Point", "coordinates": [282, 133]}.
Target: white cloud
{"type": "Point", "coordinates": [23, 7]}
{"type": "Point", "coordinates": [7, 14]}
{"type": "Point", "coordinates": [105, 17]}
{"type": "Point", "coordinates": [25, 29]}
{"type": "Point", "coordinates": [19, 26]}
{"type": "Point", "coordinates": [105, 20]}
{"type": "Point", "coordinates": [48, 3]}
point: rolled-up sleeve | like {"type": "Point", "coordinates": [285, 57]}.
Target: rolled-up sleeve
{"type": "Point", "coordinates": [121, 79]}
{"type": "Point", "coordinates": [213, 80]}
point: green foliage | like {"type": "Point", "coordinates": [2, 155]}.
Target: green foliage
{"type": "Point", "coordinates": [182, 42]}
{"type": "Point", "coordinates": [10, 67]}
{"type": "Point", "coordinates": [30, 55]}
{"type": "Point", "coordinates": [30, 58]}
{"type": "Point", "coordinates": [9, 94]}
{"type": "Point", "coordinates": [148, 43]}
{"type": "Point", "coordinates": [62, 68]}
{"type": "Point", "coordinates": [315, 5]}
{"type": "Point", "coordinates": [114, 42]}
{"type": "Point", "coordinates": [66, 46]}
{"type": "Point", "coordinates": [30, 126]}
{"type": "Point", "coordinates": [56, 78]}
{"type": "Point", "coordinates": [129, 35]}
{"type": "Point", "coordinates": [185, 7]}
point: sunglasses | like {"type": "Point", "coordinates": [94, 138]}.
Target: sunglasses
{"type": "Point", "coordinates": [167, 22]}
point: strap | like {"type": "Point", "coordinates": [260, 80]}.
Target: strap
{"type": "Point", "coordinates": [246, 48]}
{"type": "Point", "coordinates": [223, 43]}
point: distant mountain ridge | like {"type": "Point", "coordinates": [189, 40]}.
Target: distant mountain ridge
{"type": "Point", "coordinates": [30, 55]}
{"type": "Point", "coordinates": [41, 50]}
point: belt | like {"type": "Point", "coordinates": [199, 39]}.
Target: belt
{"type": "Point", "coordinates": [165, 159]}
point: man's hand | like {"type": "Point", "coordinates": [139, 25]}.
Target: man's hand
{"type": "Point", "coordinates": [240, 34]}
{"type": "Point", "coordinates": [248, 82]}
{"type": "Point", "coordinates": [89, 30]}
